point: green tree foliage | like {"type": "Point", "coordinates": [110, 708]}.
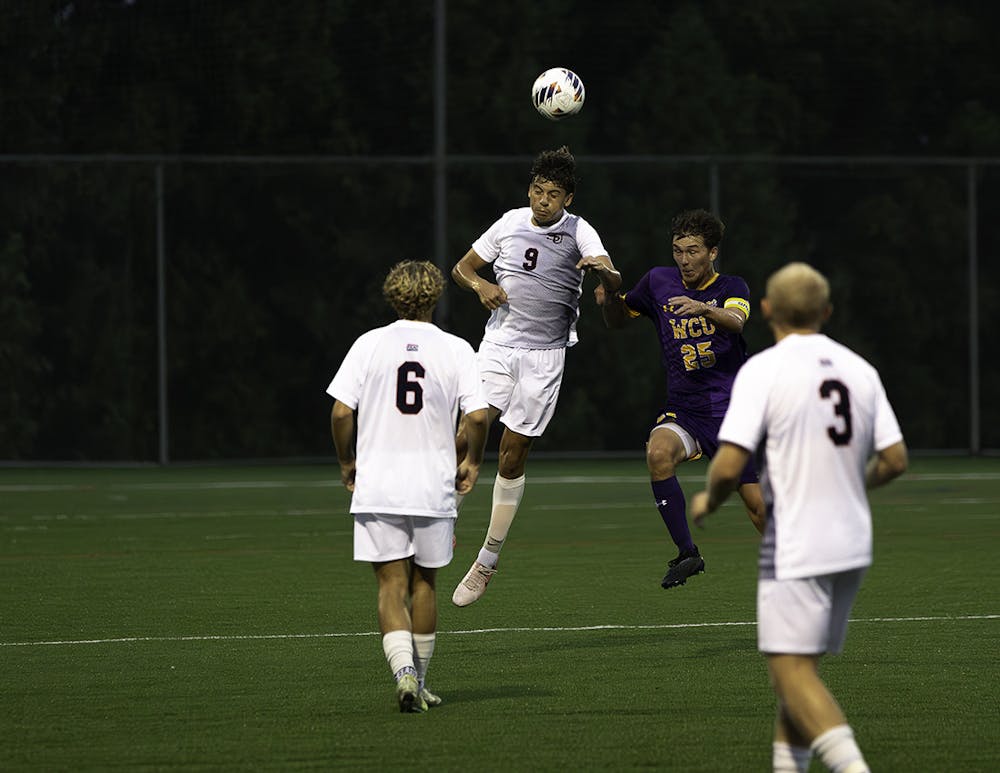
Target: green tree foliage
{"type": "Point", "coordinates": [21, 364]}
{"type": "Point", "coordinates": [273, 268]}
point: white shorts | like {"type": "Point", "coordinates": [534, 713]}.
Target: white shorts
{"type": "Point", "coordinates": [691, 446]}
{"type": "Point", "coordinates": [806, 616]}
{"type": "Point", "coordinates": [523, 384]}
{"type": "Point", "coordinates": [380, 538]}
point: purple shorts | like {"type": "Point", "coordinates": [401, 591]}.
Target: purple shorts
{"type": "Point", "coordinates": [705, 429]}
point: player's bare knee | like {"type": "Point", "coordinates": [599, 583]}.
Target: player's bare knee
{"type": "Point", "coordinates": [513, 456]}
{"type": "Point", "coordinates": [660, 461]}
{"type": "Point", "coordinates": [511, 465]}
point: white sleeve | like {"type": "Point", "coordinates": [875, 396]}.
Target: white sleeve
{"type": "Point", "coordinates": [347, 383]}
{"type": "Point", "coordinates": [745, 421]}
{"type": "Point", "coordinates": [887, 431]}
{"type": "Point", "coordinates": [588, 240]}
{"type": "Point", "coordinates": [487, 246]}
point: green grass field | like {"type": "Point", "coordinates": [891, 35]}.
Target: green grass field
{"type": "Point", "coordinates": [212, 618]}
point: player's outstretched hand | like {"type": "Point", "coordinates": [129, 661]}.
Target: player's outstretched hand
{"type": "Point", "coordinates": [591, 262]}
{"type": "Point", "coordinates": [699, 509]}
{"type": "Point", "coordinates": [602, 265]}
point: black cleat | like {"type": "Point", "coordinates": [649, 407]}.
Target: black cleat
{"type": "Point", "coordinates": [685, 565]}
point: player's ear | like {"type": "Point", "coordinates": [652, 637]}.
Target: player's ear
{"type": "Point", "coordinates": [568, 200]}
{"type": "Point", "coordinates": [765, 308]}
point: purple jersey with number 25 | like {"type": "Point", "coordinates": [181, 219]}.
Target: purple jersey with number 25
{"type": "Point", "coordinates": [700, 359]}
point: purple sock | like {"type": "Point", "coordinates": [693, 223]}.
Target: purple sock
{"type": "Point", "coordinates": [673, 510]}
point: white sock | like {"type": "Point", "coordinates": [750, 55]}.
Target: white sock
{"type": "Point", "coordinates": [423, 648]}
{"type": "Point", "coordinates": [398, 649]}
{"type": "Point", "coordinates": [839, 751]}
{"type": "Point", "coordinates": [786, 758]}
{"type": "Point", "coordinates": [507, 495]}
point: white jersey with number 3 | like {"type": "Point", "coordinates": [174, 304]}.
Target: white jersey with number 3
{"type": "Point", "coordinates": [815, 412]}
{"type": "Point", "coordinates": [536, 267]}
{"type": "Point", "coordinates": [407, 382]}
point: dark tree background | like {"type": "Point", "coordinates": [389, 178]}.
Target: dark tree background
{"type": "Point", "coordinates": [295, 144]}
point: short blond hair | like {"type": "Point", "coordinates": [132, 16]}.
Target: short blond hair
{"type": "Point", "coordinates": [413, 288]}
{"type": "Point", "coordinates": [799, 296]}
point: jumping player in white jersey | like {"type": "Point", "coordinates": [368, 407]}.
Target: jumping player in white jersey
{"type": "Point", "coordinates": [539, 255]}
{"type": "Point", "coordinates": [819, 420]}
{"type": "Point", "coordinates": [407, 381]}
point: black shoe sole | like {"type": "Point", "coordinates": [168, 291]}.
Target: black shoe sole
{"type": "Point", "coordinates": [672, 582]}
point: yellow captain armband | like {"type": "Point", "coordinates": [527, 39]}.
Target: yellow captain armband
{"type": "Point", "coordinates": [738, 303]}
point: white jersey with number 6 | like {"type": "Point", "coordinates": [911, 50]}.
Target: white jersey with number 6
{"type": "Point", "coordinates": [815, 412]}
{"type": "Point", "coordinates": [407, 382]}
{"type": "Point", "coordinates": [536, 267]}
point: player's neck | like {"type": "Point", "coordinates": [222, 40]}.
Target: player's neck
{"type": "Point", "coordinates": [703, 283]}
{"type": "Point", "coordinates": [781, 331]}
{"type": "Point", "coordinates": [547, 223]}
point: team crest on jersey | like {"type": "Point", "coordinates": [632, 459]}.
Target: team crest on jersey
{"type": "Point", "coordinates": [556, 237]}
{"type": "Point", "coordinates": [412, 348]}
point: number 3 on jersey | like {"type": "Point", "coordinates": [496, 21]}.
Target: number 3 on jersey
{"type": "Point", "coordinates": [840, 436]}
{"type": "Point", "coordinates": [409, 393]}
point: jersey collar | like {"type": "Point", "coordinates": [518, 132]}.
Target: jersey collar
{"type": "Point", "coordinates": [706, 284]}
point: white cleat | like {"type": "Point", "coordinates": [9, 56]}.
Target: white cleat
{"type": "Point", "coordinates": [408, 695]}
{"type": "Point", "coordinates": [473, 585]}
{"type": "Point", "coordinates": [430, 698]}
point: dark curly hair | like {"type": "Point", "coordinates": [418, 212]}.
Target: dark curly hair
{"type": "Point", "coordinates": [698, 222]}
{"type": "Point", "coordinates": [555, 166]}
{"type": "Point", "coordinates": [413, 287]}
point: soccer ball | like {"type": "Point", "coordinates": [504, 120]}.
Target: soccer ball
{"type": "Point", "coordinates": [557, 93]}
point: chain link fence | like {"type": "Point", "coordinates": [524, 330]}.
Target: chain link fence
{"type": "Point", "coordinates": [169, 309]}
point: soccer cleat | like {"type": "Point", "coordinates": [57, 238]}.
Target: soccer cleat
{"type": "Point", "coordinates": [687, 564]}
{"type": "Point", "coordinates": [430, 698]}
{"type": "Point", "coordinates": [408, 693]}
{"type": "Point", "coordinates": [473, 585]}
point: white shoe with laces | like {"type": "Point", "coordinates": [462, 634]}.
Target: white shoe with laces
{"type": "Point", "coordinates": [408, 695]}
{"type": "Point", "coordinates": [473, 585]}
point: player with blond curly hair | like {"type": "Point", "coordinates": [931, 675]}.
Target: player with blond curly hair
{"type": "Point", "coordinates": [400, 389]}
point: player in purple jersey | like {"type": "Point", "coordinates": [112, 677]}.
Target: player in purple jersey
{"type": "Point", "coordinates": [699, 315]}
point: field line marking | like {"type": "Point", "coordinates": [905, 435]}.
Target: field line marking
{"type": "Point", "coordinates": [466, 632]}
{"type": "Point", "coordinates": [332, 483]}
